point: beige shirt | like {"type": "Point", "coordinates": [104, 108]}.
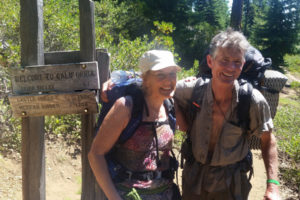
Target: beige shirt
{"type": "Point", "coordinates": [232, 144]}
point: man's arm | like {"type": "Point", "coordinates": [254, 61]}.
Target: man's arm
{"type": "Point", "coordinates": [180, 119]}
{"type": "Point", "coordinates": [270, 157]}
{"type": "Point", "coordinates": [106, 86]}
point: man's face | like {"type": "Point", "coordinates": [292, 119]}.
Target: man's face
{"type": "Point", "coordinates": [227, 65]}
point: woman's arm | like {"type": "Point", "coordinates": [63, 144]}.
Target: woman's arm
{"type": "Point", "coordinates": [111, 128]}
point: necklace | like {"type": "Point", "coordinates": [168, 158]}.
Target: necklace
{"type": "Point", "coordinates": [220, 109]}
{"type": "Point", "coordinates": [222, 112]}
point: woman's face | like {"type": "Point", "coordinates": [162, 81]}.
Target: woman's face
{"type": "Point", "coordinates": [161, 83]}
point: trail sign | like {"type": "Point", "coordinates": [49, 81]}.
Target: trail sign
{"type": "Point", "coordinates": [54, 104]}
{"type": "Point", "coordinates": [56, 78]}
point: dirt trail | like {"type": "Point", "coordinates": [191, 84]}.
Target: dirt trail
{"type": "Point", "coordinates": [63, 176]}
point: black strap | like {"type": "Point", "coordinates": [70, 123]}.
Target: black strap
{"type": "Point", "coordinates": [146, 175]}
{"type": "Point", "coordinates": [194, 106]}
{"type": "Point", "coordinates": [197, 98]}
{"type": "Point", "coordinates": [243, 107]}
{"type": "Point", "coordinates": [158, 162]}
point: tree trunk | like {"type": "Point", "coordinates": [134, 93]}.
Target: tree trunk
{"type": "Point", "coordinates": [236, 15]}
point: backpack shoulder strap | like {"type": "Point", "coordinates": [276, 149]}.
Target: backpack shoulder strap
{"type": "Point", "coordinates": [138, 102]}
{"type": "Point", "coordinates": [170, 108]}
{"type": "Point", "coordinates": [243, 107]}
{"type": "Point", "coordinates": [197, 98]}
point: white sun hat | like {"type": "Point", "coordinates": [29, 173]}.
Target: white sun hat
{"type": "Point", "coordinates": [156, 60]}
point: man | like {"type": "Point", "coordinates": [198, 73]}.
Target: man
{"type": "Point", "coordinates": [219, 145]}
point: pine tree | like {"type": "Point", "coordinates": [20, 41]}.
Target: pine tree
{"type": "Point", "coordinates": [280, 33]}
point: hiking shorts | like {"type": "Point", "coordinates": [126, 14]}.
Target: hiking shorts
{"type": "Point", "coordinates": [227, 194]}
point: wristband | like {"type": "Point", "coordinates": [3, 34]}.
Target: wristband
{"type": "Point", "coordinates": [273, 181]}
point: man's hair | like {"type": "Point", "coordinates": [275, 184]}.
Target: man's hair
{"type": "Point", "coordinates": [228, 39]}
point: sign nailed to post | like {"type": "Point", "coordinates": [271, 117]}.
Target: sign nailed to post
{"type": "Point", "coordinates": [55, 89]}
{"type": "Point", "coordinates": [56, 78]}
{"type": "Point", "coordinates": [54, 104]}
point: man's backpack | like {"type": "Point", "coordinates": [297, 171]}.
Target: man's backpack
{"type": "Point", "coordinates": [137, 95]}
{"type": "Point", "coordinates": [256, 71]}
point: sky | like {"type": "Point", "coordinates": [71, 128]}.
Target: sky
{"type": "Point", "coordinates": [229, 3]}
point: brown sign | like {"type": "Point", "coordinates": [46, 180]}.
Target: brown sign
{"type": "Point", "coordinates": [54, 104]}
{"type": "Point", "coordinates": [55, 78]}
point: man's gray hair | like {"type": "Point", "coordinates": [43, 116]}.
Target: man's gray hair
{"type": "Point", "coordinates": [228, 39]}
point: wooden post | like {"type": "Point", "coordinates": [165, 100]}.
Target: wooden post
{"type": "Point", "coordinates": [88, 121]}
{"type": "Point", "coordinates": [102, 58]}
{"type": "Point", "coordinates": [33, 147]}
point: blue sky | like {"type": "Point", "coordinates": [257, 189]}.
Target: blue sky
{"type": "Point", "coordinates": [229, 3]}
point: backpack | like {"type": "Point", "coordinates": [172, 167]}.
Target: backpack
{"type": "Point", "coordinates": [137, 95]}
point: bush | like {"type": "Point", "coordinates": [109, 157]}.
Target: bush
{"type": "Point", "coordinates": [287, 130]}
{"type": "Point", "coordinates": [292, 63]}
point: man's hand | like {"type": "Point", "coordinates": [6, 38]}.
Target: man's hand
{"type": "Point", "coordinates": [272, 192]}
{"type": "Point", "coordinates": [106, 86]}
{"type": "Point", "coordinates": [190, 79]}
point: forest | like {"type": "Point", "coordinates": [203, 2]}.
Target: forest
{"type": "Point", "coordinates": [127, 28]}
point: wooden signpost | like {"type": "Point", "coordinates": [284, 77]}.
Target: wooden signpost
{"type": "Point", "coordinates": [56, 83]}
{"type": "Point", "coordinates": [56, 78]}
{"type": "Point", "coordinates": [43, 86]}
{"type": "Point", "coordinates": [54, 104]}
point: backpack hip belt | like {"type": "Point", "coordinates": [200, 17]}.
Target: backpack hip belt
{"type": "Point", "coordinates": [146, 175]}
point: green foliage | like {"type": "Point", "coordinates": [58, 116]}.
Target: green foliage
{"type": "Point", "coordinates": [295, 85]}
{"type": "Point", "coordinates": [192, 72]}
{"type": "Point", "coordinates": [193, 33]}
{"type": "Point", "coordinates": [292, 63]}
{"type": "Point", "coordinates": [10, 129]}
{"type": "Point", "coordinates": [179, 138]}
{"type": "Point", "coordinates": [66, 126]}
{"type": "Point", "coordinates": [276, 30]}
{"type": "Point", "coordinates": [126, 53]}
{"type": "Point", "coordinates": [287, 130]}
{"type": "Point", "coordinates": [114, 18]}
{"type": "Point", "coordinates": [9, 33]}
{"type": "Point", "coordinates": [61, 25]}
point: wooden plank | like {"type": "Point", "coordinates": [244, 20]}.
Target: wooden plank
{"type": "Point", "coordinates": [54, 104]}
{"type": "Point", "coordinates": [89, 186]}
{"type": "Point", "coordinates": [87, 31]}
{"type": "Point", "coordinates": [33, 158]}
{"type": "Point", "coordinates": [31, 32]}
{"type": "Point", "coordinates": [103, 58]}
{"type": "Point", "coordinates": [33, 143]}
{"type": "Point", "coordinates": [55, 78]}
{"type": "Point", "coordinates": [62, 57]}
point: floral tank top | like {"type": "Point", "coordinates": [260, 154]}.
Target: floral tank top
{"type": "Point", "coordinates": [139, 153]}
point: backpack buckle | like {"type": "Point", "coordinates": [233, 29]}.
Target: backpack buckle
{"type": "Point", "coordinates": [129, 174]}
{"type": "Point", "coordinates": [148, 176]}
{"type": "Point", "coordinates": [158, 174]}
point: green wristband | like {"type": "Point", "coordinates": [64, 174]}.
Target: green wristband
{"type": "Point", "coordinates": [273, 181]}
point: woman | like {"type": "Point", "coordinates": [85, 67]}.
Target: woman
{"type": "Point", "coordinates": [148, 150]}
